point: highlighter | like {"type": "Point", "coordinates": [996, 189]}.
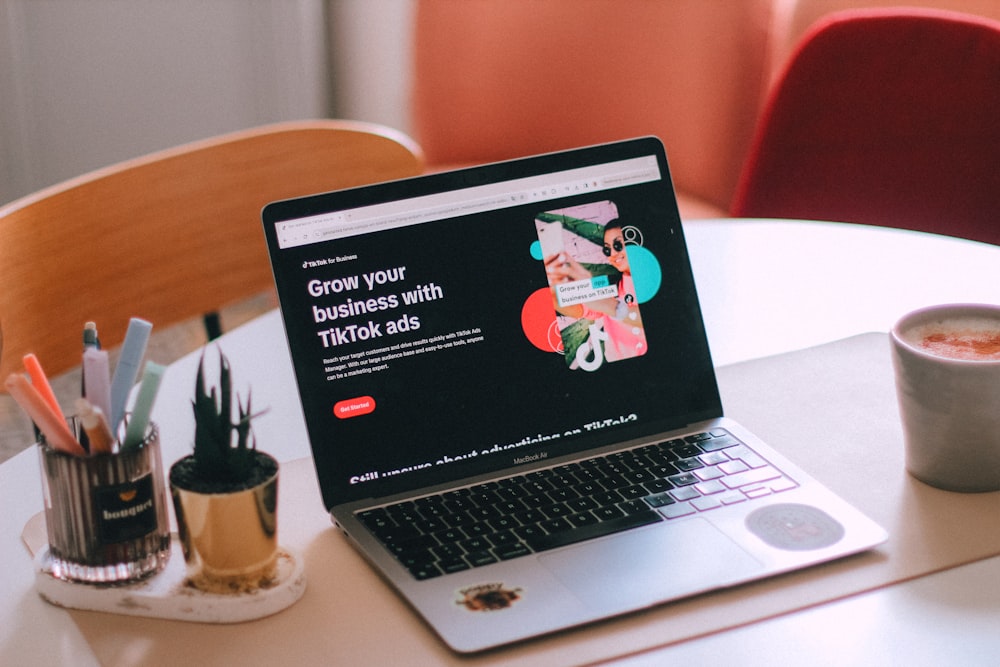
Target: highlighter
{"type": "Point", "coordinates": [135, 432]}
{"type": "Point", "coordinates": [51, 424]}
{"type": "Point", "coordinates": [41, 382]}
{"type": "Point", "coordinates": [97, 378]}
{"type": "Point", "coordinates": [127, 368]}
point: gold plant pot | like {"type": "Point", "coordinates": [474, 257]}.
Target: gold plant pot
{"type": "Point", "coordinates": [229, 539]}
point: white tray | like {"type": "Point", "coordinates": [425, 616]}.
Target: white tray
{"type": "Point", "coordinates": [165, 594]}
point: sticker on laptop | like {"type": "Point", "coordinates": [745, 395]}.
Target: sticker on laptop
{"type": "Point", "coordinates": [488, 597]}
{"type": "Point", "coordinates": [795, 527]}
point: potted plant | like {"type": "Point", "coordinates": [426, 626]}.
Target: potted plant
{"type": "Point", "coordinates": [225, 495]}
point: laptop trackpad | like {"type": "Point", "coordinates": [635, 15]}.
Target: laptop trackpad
{"type": "Point", "coordinates": [651, 565]}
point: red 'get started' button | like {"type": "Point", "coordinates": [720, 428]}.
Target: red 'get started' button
{"type": "Point", "coordinates": [353, 407]}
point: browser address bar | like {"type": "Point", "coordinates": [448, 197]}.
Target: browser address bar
{"type": "Point", "coordinates": [467, 201]}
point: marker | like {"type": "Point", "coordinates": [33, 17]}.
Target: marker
{"type": "Point", "coordinates": [41, 383]}
{"type": "Point", "coordinates": [135, 432]}
{"type": "Point", "coordinates": [90, 338]}
{"type": "Point", "coordinates": [97, 379]}
{"type": "Point", "coordinates": [52, 425]}
{"type": "Point", "coordinates": [127, 370]}
{"type": "Point", "coordinates": [90, 341]}
{"type": "Point", "coordinates": [96, 427]}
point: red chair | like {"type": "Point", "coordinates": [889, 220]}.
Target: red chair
{"type": "Point", "coordinates": [887, 117]}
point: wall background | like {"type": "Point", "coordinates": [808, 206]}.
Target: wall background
{"type": "Point", "coordinates": [87, 83]}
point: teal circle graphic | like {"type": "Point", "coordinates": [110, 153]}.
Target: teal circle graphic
{"type": "Point", "coordinates": [536, 250]}
{"type": "Point", "coordinates": [646, 272]}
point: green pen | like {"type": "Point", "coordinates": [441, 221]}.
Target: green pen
{"type": "Point", "coordinates": [135, 432]}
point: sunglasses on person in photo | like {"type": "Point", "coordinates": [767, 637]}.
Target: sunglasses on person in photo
{"type": "Point", "coordinates": [617, 245]}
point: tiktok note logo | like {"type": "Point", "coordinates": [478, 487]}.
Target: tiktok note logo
{"type": "Point", "coordinates": [599, 274]}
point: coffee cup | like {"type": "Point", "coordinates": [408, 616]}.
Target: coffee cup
{"type": "Point", "coordinates": [947, 367]}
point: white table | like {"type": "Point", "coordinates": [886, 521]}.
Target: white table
{"type": "Point", "coordinates": [766, 287]}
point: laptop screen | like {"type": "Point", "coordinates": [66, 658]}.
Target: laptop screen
{"type": "Point", "coordinates": [458, 323]}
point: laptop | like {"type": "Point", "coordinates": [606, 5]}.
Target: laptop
{"type": "Point", "coordinates": [511, 400]}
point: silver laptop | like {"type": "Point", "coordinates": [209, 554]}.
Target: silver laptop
{"type": "Point", "coordinates": [511, 401]}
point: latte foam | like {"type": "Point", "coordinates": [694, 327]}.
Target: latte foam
{"type": "Point", "coordinates": [966, 338]}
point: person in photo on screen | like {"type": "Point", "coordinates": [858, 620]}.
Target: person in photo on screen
{"type": "Point", "coordinates": [619, 315]}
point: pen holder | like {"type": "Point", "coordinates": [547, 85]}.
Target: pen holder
{"type": "Point", "coordinates": [105, 514]}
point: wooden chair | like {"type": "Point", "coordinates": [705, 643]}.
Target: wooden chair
{"type": "Point", "coordinates": [169, 236]}
{"type": "Point", "coordinates": [885, 117]}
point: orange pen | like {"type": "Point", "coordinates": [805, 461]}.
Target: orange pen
{"type": "Point", "coordinates": [51, 424]}
{"type": "Point", "coordinates": [95, 424]}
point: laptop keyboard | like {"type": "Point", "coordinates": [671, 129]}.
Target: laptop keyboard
{"type": "Point", "coordinates": [541, 510]}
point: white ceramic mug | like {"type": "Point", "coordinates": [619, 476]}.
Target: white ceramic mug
{"type": "Point", "coordinates": [947, 366]}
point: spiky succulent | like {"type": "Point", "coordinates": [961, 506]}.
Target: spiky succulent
{"type": "Point", "coordinates": [223, 451]}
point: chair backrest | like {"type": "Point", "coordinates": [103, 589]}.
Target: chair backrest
{"type": "Point", "coordinates": [495, 80]}
{"type": "Point", "coordinates": [793, 18]}
{"type": "Point", "coordinates": [169, 236]}
{"type": "Point", "coordinates": [886, 117]}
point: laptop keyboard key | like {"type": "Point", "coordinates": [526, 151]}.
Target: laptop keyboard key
{"type": "Point", "coordinates": [415, 544]}
{"type": "Point", "coordinates": [459, 519]}
{"type": "Point", "coordinates": [684, 479]}
{"type": "Point", "coordinates": [447, 551]}
{"type": "Point", "coordinates": [553, 526]}
{"type": "Point", "coordinates": [660, 499]}
{"type": "Point", "coordinates": [582, 504]}
{"type": "Point", "coordinates": [562, 494]}
{"type": "Point", "coordinates": [751, 476]}
{"type": "Point", "coordinates": [633, 507]}
{"type": "Point", "coordinates": [509, 551]}
{"type": "Point", "coordinates": [454, 565]}
{"type": "Point", "coordinates": [633, 492]}
{"type": "Point", "coordinates": [687, 465]}
{"type": "Point", "coordinates": [425, 571]}
{"type": "Point", "coordinates": [608, 513]}
{"type": "Point", "coordinates": [657, 486]}
{"type": "Point", "coordinates": [476, 544]}
{"type": "Point", "coordinates": [397, 533]}
{"type": "Point", "coordinates": [556, 510]}
{"type": "Point", "coordinates": [526, 532]}
{"type": "Point", "coordinates": [677, 510]}
{"type": "Point", "coordinates": [722, 442]}
{"type": "Point", "coordinates": [503, 538]}
{"type": "Point", "coordinates": [480, 558]}
{"type": "Point", "coordinates": [503, 523]}
{"type": "Point", "coordinates": [582, 519]}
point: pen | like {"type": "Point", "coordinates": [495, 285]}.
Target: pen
{"type": "Point", "coordinates": [41, 383]}
{"type": "Point", "coordinates": [90, 336]}
{"type": "Point", "coordinates": [52, 425]}
{"type": "Point", "coordinates": [96, 426]}
{"type": "Point", "coordinates": [97, 379]}
{"type": "Point", "coordinates": [136, 429]}
{"type": "Point", "coordinates": [89, 341]}
{"type": "Point", "coordinates": [127, 369]}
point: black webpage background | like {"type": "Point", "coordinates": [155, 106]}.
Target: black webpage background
{"type": "Point", "coordinates": [500, 390]}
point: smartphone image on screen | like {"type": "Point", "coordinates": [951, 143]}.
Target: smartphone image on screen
{"type": "Point", "coordinates": [550, 236]}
